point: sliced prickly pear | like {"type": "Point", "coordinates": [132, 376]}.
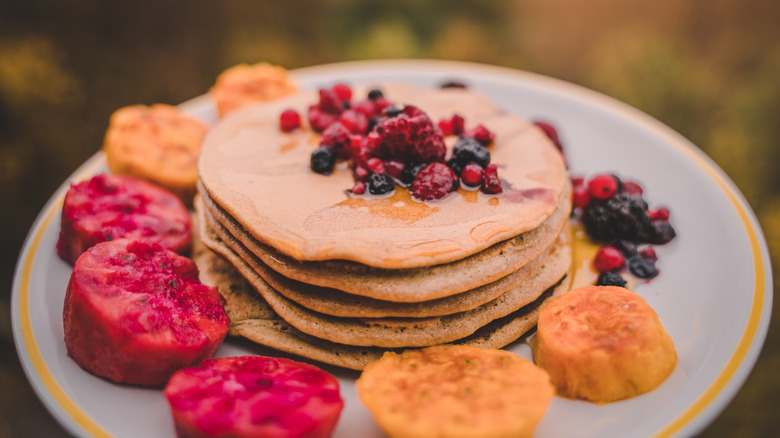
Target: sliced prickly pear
{"type": "Point", "coordinates": [108, 207]}
{"type": "Point", "coordinates": [254, 396]}
{"type": "Point", "coordinates": [136, 313]}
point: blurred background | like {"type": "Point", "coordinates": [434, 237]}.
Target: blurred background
{"type": "Point", "coordinates": [710, 69]}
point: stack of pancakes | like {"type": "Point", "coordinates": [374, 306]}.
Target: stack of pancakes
{"type": "Point", "coordinates": [310, 269]}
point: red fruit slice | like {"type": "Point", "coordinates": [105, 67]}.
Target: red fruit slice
{"type": "Point", "coordinates": [109, 207]}
{"type": "Point", "coordinates": [253, 396]}
{"type": "Point", "coordinates": [135, 313]}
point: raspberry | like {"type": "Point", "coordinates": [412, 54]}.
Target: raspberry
{"type": "Point", "coordinates": [648, 253]}
{"type": "Point", "coordinates": [609, 259]}
{"type": "Point", "coordinates": [361, 151]}
{"type": "Point", "coordinates": [361, 172]}
{"type": "Point", "coordinates": [409, 136]}
{"type": "Point", "coordinates": [337, 137]}
{"type": "Point", "coordinates": [319, 119]}
{"type": "Point", "coordinates": [472, 175]}
{"type": "Point", "coordinates": [375, 165]}
{"type": "Point", "coordinates": [481, 134]}
{"type": "Point", "coordinates": [602, 186]}
{"type": "Point", "coordinates": [342, 92]}
{"type": "Point", "coordinates": [355, 121]}
{"type": "Point", "coordinates": [359, 188]}
{"type": "Point", "coordinates": [330, 102]}
{"type": "Point", "coordinates": [323, 159]}
{"type": "Point", "coordinates": [469, 150]}
{"type": "Point", "coordinates": [551, 133]}
{"type": "Point", "coordinates": [394, 168]}
{"type": "Point", "coordinates": [452, 126]}
{"type": "Point", "coordinates": [434, 181]}
{"type": "Point", "coordinates": [289, 120]}
{"type": "Point", "coordinates": [491, 184]}
{"type": "Point", "coordinates": [610, 279]}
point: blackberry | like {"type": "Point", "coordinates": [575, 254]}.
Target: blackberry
{"type": "Point", "coordinates": [380, 183]}
{"type": "Point", "coordinates": [642, 267]}
{"type": "Point", "coordinates": [468, 150]}
{"type": "Point", "coordinates": [410, 171]}
{"type": "Point", "coordinates": [619, 217]}
{"type": "Point", "coordinates": [323, 159]}
{"type": "Point", "coordinates": [610, 279]}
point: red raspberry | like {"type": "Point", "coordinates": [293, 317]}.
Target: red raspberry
{"type": "Point", "coordinates": [577, 181]}
{"type": "Point", "coordinates": [551, 133]}
{"type": "Point", "coordinates": [361, 172]}
{"type": "Point", "coordinates": [394, 168]}
{"type": "Point", "coordinates": [359, 188]}
{"type": "Point", "coordinates": [342, 92]}
{"type": "Point", "coordinates": [375, 165]}
{"type": "Point", "coordinates": [481, 134]}
{"type": "Point", "coordinates": [491, 184]}
{"type": "Point", "coordinates": [609, 259]}
{"type": "Point", "coordinates": [602, 187]}
{"type": "Point", "coordinates": [338, 138]}
{"type": "Point", "coordinates": [631, 188]}
{"type": "Point", "coordinates": [355, 121]}
{"type": "Point", "coordinates": [361, 149]}
{"type": "Point", "coordinates": [410, 137]}
{"type": "Point", "coordinates": [659, 214]}
{"type": "Point", "coordinates": [289, 120]}
{"type": "Point", "coordinates": [434, 181]}
{"type": "Point", "coordinates": [319, 119]}
{"type": "Point", "coordinates": [452, 126]}
{"type": "Point", "coordinates": [330, 102]}
{"type": "Point", "coordinates": [472, 175]}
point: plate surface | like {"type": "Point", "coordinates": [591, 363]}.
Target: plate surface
{"type": "Point", "coordinates": [713, 295]}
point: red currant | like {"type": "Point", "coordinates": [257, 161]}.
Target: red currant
{"type": "Point", "coordinates": [289, 120]}
{"type": "Point", "coordinates": [602, 187]}
{"type": "Point", "coordinates": [580, 196]}
{"type": "Point", "coordinates": [609, 259]}
{"type": "Point", "coordinates": [472, 174]}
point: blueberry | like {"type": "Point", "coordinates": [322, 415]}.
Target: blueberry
{"type": "Point", "coordinates": [659, 232]}
{"type": "Point", "coordinates": [610, 279]}
{"type": "Point", "coordinates": [380, 183]}
{"type": "Point", "coordinates": [391, 111]}
{"type": "Point", "coordinates": [375, 94]}
{"type": "Point", "coordinates": [323, 159]}
{"type": "Point", "coordinates": [468, 150]}
{"type": "Point", "coordinates": [642, 267]}
{"type": "Point", "coordinates": [410, 171]}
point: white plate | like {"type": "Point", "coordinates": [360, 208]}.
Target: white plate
{"type": "Point", "coordinates": [713, 295]}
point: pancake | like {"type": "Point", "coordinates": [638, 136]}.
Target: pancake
{"type": "Point", "coordinates": [252, 318]}
{"type": "Point", "coordinates": [403, 285]}
{"type": "Point", "coordinates": [400, 332]}
{"type": "Point", "coordinates": [337, 303]}
{"type": "Point", "coordinates": [260, 176]}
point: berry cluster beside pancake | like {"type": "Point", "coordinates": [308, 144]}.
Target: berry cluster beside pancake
{"type": "Point", "coordinates": [339, 276]}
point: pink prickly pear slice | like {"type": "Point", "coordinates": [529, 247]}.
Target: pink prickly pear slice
{"type": "Point", "coordinates": [254, 396]}
{"type": "Point", "coordinates": [136, 313]}
{"type": "Point", "coordinates": [109, 207]}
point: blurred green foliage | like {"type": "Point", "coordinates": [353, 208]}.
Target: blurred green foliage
{"type": "Point", "coordinates": [708, 69]}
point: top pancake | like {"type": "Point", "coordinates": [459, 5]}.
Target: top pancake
{"type": "Point", "coordinates": [260, 176]}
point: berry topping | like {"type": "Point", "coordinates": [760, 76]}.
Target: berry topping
{"type": "Point", "coordinates": [359, 188]}
{"type": "Point", "coordinates": [337, 137]}
{"type": "Point", "coordinates": [319, 119]}
{"type": "Point", "coordinates": [659, 214]}
{"type": "Point", "coordinates": [609, 259]}
{"type": "Point", "coordinates": [648, 253]}
{"type": "Point", "coordinates": [355, 121]}
{"type": "Point", "coordinates": [330, 102]}
{"type": "Point", "coordinates": [410, 136]}
{"type": "Point", "coordinates": [631, 188]}
{"type": "Point", "coordinates": [491, 184]}
{"type": "Point", "coordinates": [452, 126]}
{"type": "Point", "coordinates": [375, 94]}
{"type": "Point", "coordinates": [394, 168]}
{"type": "Point", "coordinates": [472, 175]}
{"type": "Point", "coordinates": [323, 159]}
{"type": "Point", "coordinates": [610, 279]}
{"type": "Point", "coordinates": [619, 217]}
{"type": "Point", "coordinates": [375, 165]}
{"type": "Point", "coordinates": [380, 183]}
{"type": "Point", "coordinates": [410, 172]}
{"type": "Point", "coordinates": [552, 133]}
{"type": "Point", "coordinates": [481, 134]}
{"type": "Point", "coordinates": [642, 267]}
{"type": "Point", "coordinates": [602, 186]}
{"type": "Point", "coordinates": [580, 196]}
{"type": "Point", "coordinates": [361, 172]}
{"type": "Point", "coordinates": [469, 150]}
{"type": "Point", "coordinates": [342, 92]}
{"type": "Point", "coordinates": [434, 181]}
{"type": "Point", "coordinates": [289, 120]}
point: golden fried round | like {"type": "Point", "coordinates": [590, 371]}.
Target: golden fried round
{"type": "Point", "coordinates": [602, 344]}
{"type": "Point", "coordinates": [455, 391]}
{"type": "Point", "coordinates": [243, 84]}
{"type": "Point", "coordinates": [157, 143]}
